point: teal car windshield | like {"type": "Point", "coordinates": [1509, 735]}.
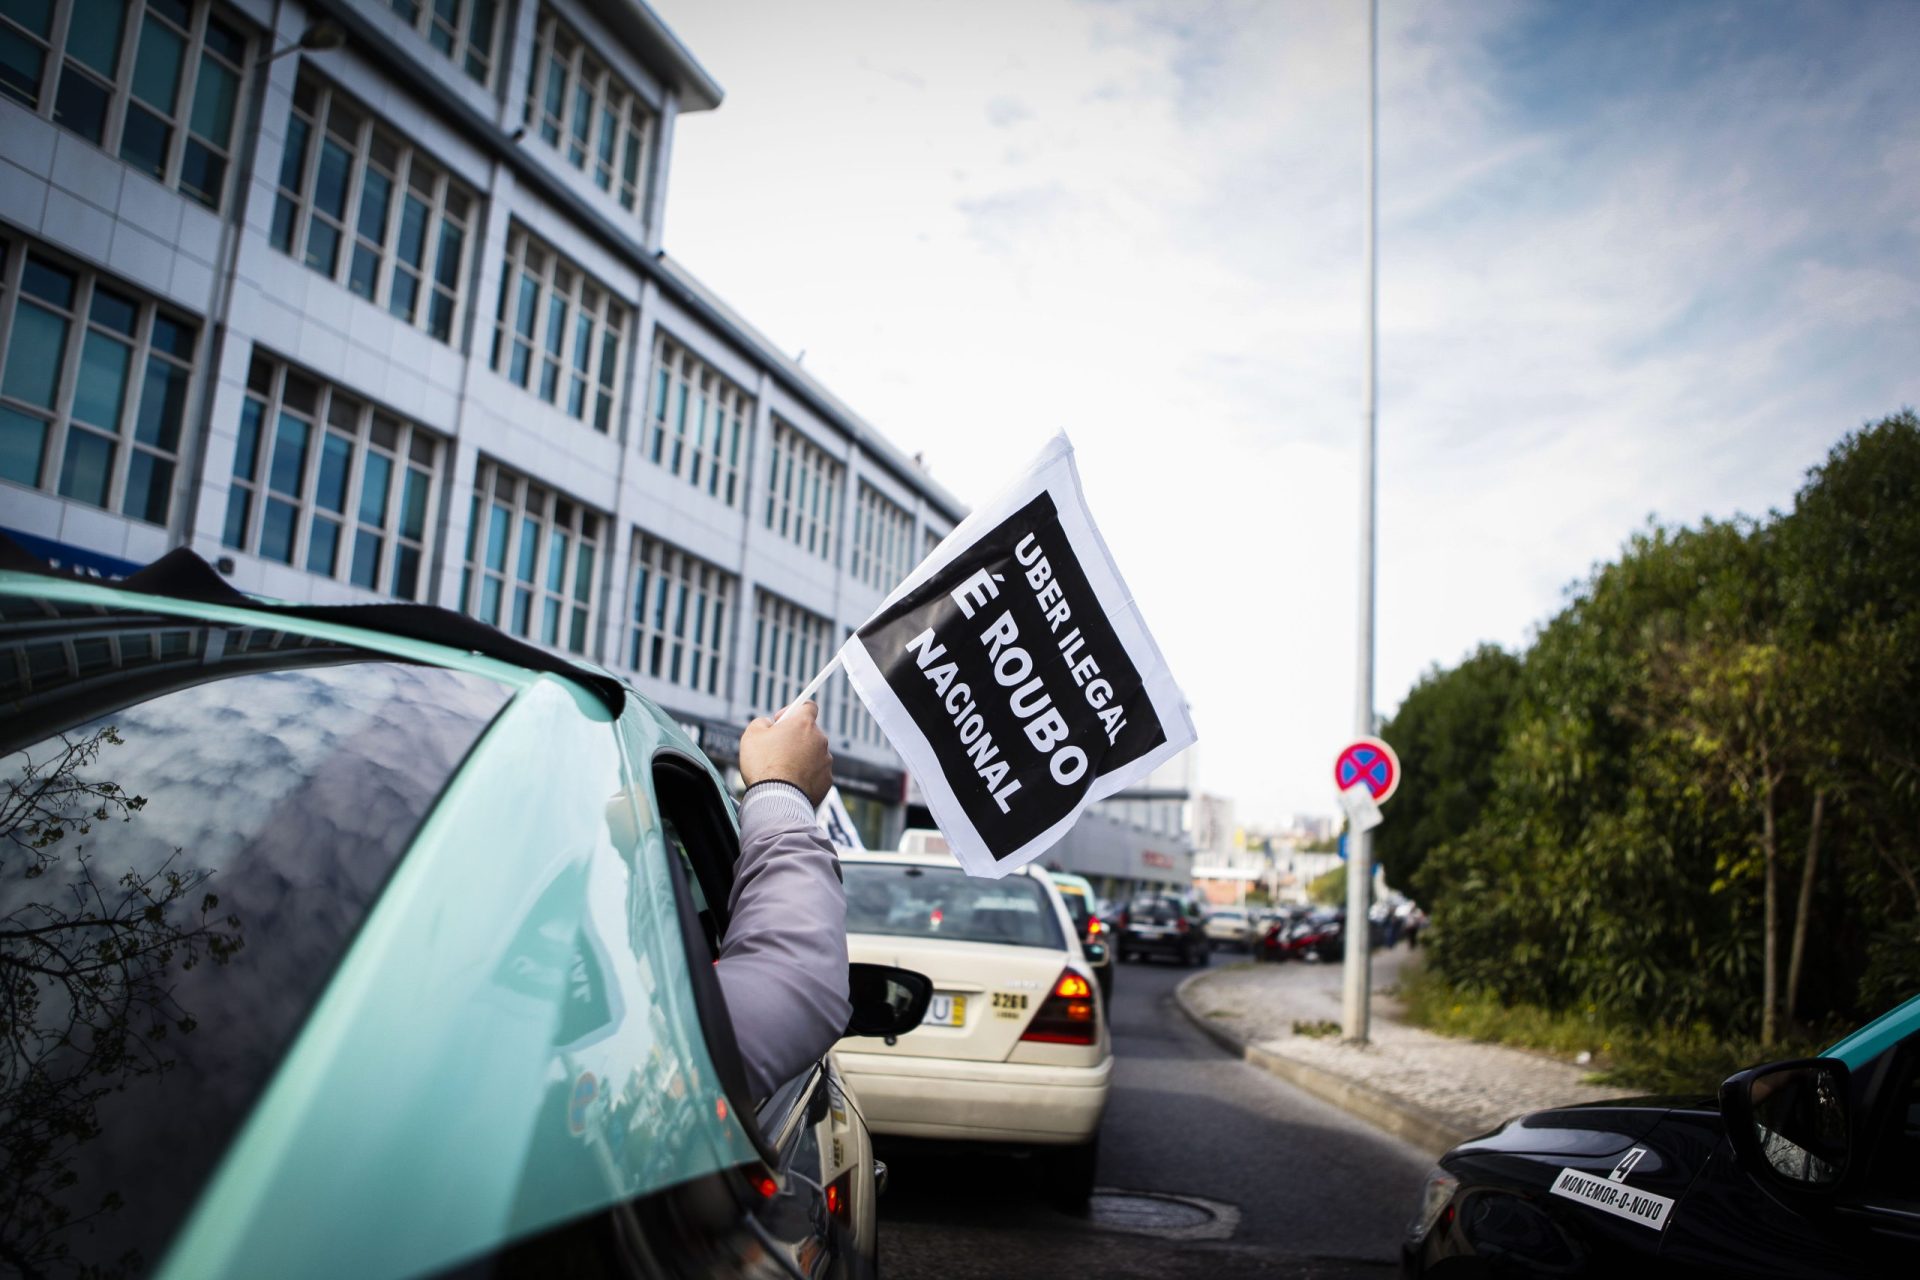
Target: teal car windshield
{"type": "Point", "coordinates": [196, 819]}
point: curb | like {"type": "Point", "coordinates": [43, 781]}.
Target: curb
{"type": "Point", "coordinates": [1413, 1124]}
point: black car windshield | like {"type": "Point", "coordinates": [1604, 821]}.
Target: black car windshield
{"type": "Point", "coordinates": [943, 902]}
{"type": "Point", "coordinates": [1156, 910]}
{"type": "Point", "coordinates": [1077, 908]}
{"type": "Point", "coordinates": [195, 820]}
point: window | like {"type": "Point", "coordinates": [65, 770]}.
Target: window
{"type": "Point", "coordinates": [156, 82]}
{"type": "Point", "coordinates": [93, 388]}
{"type": "Point", "coordinates": [789, 648]}
{"type": "Point", "coordinates": [326, 481]}
{"type": "Point", "coordinates": [849, 717]}
{"type": "Point", "coordinates": [559, 332]}
{"type": "Point", "coordinates": [362, 207]}
{"type": "Point", "coordinates": [284, 774]}
{"type": "Point", "coordinates": [801, 484]}
{"type": "Point", "coordinates": [930, 538]}
{"type": "Point", "coordinates": [882, 539]}
{"type": "Point", "coordinates": [680, 607]}
{"type": "Point", "coordinates": [588, 114]}
{"type": "Point", "coordinates": [697, 422]}
{"type": "Point", "coordinates": [910, 901]}
{"type": "Point", "coordinates": [464, 30]}
{"type": "Point", "coordinates": [530, 560]}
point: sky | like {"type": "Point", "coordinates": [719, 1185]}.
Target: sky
{"type": "Point", "coordinates": [1637, 261]}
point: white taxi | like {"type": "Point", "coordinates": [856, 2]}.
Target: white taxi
{"type": "Point", "coordinates": [1015, 1047]}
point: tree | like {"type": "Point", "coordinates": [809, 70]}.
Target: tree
{"type": "Point", "coordinates": [1447, 734]}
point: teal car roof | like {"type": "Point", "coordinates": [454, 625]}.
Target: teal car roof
{"type": "Point", "coordinates": [73, 591]}
{"type": "Point", "coordinates": [1860, 1047]}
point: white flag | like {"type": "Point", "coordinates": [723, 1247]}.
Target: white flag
{"type": "Point", "coordinates": [838, 824]}
{"type": "Point", "coordinates": [1014, 674]}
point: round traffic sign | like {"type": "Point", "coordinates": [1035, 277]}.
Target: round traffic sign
{"type": "Point", "coordinates": [1369, 761]}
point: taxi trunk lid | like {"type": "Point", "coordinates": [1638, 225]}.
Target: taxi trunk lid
{"type": "Point", "coordinates": [1003, 987]}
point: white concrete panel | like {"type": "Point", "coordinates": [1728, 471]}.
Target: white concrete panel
{"type": "Point", "coordinates": [23, 196]}
{"type": "Point", "coordinates": [151, 207]}
{"type": "Point", "coordinates": [79, 227]}
{"type": "Point", "coordinates": [138, 256]}
{"type": "Point", "coordinates": [30, 510]}
{"type": "Point", "coordinates": [94, 529]}
{"type": "Point", "coordinates": [29, 139]}
{"type": "Point", "coordinates": [200, 232]}
{"type": "Point", "coordinates": [86, 171]}
{"type": "Point", "coordinates": [192, 282]}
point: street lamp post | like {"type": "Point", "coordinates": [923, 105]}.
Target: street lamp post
{"type": "Point", "coordinates": [1359, 933]}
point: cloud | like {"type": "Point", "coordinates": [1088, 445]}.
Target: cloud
{"type": "Point", "coordinates": [1004, 113]}
{"type": "Point", "coordinates": [1634, 258]}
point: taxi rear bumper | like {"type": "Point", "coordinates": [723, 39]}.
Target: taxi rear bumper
{"type": "Point", "coordinates": [978, 1101]}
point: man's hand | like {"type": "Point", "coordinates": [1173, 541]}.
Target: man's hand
{"type": "Point", "coordinates": [794, 750]}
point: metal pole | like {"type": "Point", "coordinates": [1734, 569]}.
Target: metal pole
{"type": "Point", "coordinates": [1359, 933]}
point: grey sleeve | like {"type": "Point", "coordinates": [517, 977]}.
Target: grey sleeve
{"type": "Point", "coordinates": [783, 963]}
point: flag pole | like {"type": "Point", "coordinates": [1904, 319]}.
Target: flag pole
{"type": "Point", "coordinates": [1357, 978]}
{"type": "Point", "coordinates": [813, 686]}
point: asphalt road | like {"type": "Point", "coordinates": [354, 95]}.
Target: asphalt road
{"type": "Point", "coordinates": [1316, 1192]}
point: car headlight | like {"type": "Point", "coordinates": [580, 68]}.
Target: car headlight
{"type": "Point", "coordinates": [1434, 1199]}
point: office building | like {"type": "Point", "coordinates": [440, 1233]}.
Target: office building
{"type": "Point", "coordinates": [365, 299]}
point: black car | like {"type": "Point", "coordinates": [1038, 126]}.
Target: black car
{"type": "Point", "coordinates": [1803, 1168]}
{"type": "Point", "coordinates": [1164, 925]}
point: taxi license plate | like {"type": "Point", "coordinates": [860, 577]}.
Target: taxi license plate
{"type": "Point", "coordinates": [946, 1011]}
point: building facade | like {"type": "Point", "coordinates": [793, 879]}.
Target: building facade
{"type": "Point", "coordinates": [365, 299]}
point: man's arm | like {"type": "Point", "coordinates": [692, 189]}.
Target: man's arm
{"type": "Point", "coordinates": [783, 963]}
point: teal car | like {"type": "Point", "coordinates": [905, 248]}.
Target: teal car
{"type": "Point", "coordinates": [369, 942]}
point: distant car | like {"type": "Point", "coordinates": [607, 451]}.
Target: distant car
{"type": "Point", "coordinates": [427, 920]}
{"type": "Point", "coordinates": [1806, 1168]}
{"type": "Point", "coordinates": [1229, 926]}
{"type": "Point", "coordinates": [1014, 1048]}
{"type": "Point", "coordinates": [1077, 894]}
{"type": "Point", "coordinates": [1315, 936]}
{"type": "Point", "coordinates": [1164, 925]}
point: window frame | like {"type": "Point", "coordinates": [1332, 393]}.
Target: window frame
{"type": "Point", "coordinates": [620, 166]}
{"type": "Point", "coordinates": [489, 479]}
{"type": "Point", "coordinates": [598, 382]}
{"type": "Point", "coordinates": [297, 209]}
{"type": "Point", "coordinates": [669, 572]}
{"type": "Point", "coordinates": [255, 488]}
{"type": "Point", "coordinates": [461, 48]}
{"type": "Point", "coordinates": [805, 513]}
{"type": "Point", "coordinates": [58, 418]}
{"type": "Point", "coordinates": [680, 377]}
{"type": "Point", "coordinates": [177, 117]}
{"type": "Point", "coordinates": [780, 672]}
{"type": "Point", "coordinates": [882, 543]}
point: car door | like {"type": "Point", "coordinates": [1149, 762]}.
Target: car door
{"type": "Point", "coordinates": [697, 821]}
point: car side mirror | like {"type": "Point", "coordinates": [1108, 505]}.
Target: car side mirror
{"type": "Point", "coordinates": [1789, 1122]}
{"type": "Point", "coordinates": [1096, 952]}
{"type": "Point", "coordinates": [886, 1001]}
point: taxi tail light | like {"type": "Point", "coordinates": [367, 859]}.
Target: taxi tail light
{"type": "Point", "coordinates": [1067, 1015]}
{"type": "Point", "coordinates": [840, 1199]}
{"type": "Point", "coordinates": [1180, 925]}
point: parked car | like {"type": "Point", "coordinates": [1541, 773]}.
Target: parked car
{"type": "Point", "coordinates": [1015, 1048]}
{"type": "Point", "coordinates": [1229, 926]}
{"type": "Point", "coordinates": [1808, 1167]}
{"type": "Point", "coordinates": [369, 941]}
{"type": "Point", "coordinates": [1316, 936]}
{"type": "Point", "coordinates": [1164, 925]}
{"type": "Point", "coordinates": [1077, 894]}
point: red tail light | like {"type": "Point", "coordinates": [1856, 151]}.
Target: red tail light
{"type": "Point", "coordinates": [840, 1198]}
{"type": "Point", "coordinates": [1180, 925]}
{"type": "Point", "coordinates": [1094, 927]}
{"type": "Point", "coordinates": [1067, 1015]}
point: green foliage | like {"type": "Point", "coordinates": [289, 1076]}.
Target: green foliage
{"type": "Point", "coordinates": [1607, 812]}
{"type": "Point", "coordinates": [1330, 888]}
{"type": "Point", "coordinates": [1447, 733]}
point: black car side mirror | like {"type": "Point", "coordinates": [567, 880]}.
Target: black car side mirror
{"type": "Point", "coordinates": [1096, 952]}
{"type": "Point", "coordinates": [886, 1001]}
{"type": "Point", "coordinates": [1789, 1122]}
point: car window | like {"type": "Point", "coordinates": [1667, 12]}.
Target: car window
{"type": "Point", "coordinates": [1076, 907]}
{"type": "Point", "coordinates": [195, 820]}
{"type": "Point", "coordinates": [944, 902]}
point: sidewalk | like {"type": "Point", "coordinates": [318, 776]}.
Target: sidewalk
{"type": "Point", "coordinates": [1429, 1089]}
